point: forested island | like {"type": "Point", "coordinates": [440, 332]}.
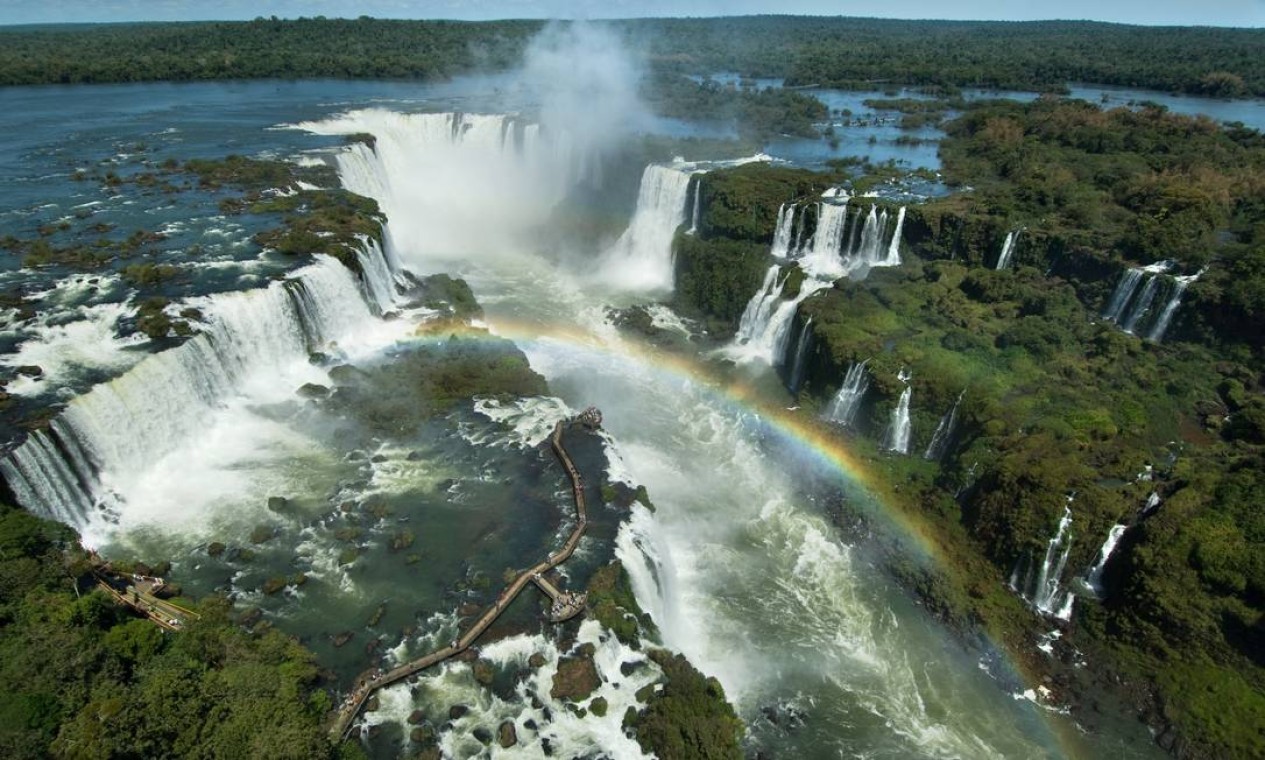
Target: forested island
{"type": "Point", "coordinates": [1045, 393]}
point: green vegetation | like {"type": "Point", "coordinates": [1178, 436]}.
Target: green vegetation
{"type": "Point", "coordinates": [1058, 402]}
{"type": "Point", "coordinates": [612, 603]}
{"type": "Point", "coordinates": [83, 678]}
{"type": "Point", "coordinates": [427, 379]}
{"type": "Point", "coordinates": [689, 717]}
{"type": "Point", "coordinates": [757, 114]}
{"type": "Point", "coordinates": [839, 52]}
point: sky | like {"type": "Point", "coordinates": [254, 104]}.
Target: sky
{"type": "Point", "coordinates": [1152, 12]}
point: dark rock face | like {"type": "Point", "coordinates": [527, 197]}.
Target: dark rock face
{"type": "Point", "coordinates": [456, 712]}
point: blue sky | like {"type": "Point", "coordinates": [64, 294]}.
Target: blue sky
{"type": "Point", "coordinates": [1205, 12]}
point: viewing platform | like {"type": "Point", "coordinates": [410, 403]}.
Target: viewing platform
{"type": "Point", "coordinates": [565, 604]}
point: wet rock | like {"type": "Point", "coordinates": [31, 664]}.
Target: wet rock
{"type": "Point", "coordinates": [430, 753]}
{"type": "Point", "coordinates": [378, 458]}
{"type": "Point", "coordinates": [483, 735]}
{"type": "Point", "coordinates": [262, 534]}
{"type": "Point", "coordinates": [372, 704]}
{"type": "Point", "coordinates": [422, 735]}
{"type": "Point", "coordinates": [506, 735]}
{"type": "Point", "coordinates": [414, 456]}
{"type": "Point", "coordinates": [313, 390]}
{"type": "Point", "coordinates": [546, 747]}
{"type": "Point", "coordinates": [376, 617]}
{"type": "Point", "coordinates": [537, 660]}
{"type": "Point", "coordinates": [278, 504]}
{"type": "Point", "coordinates": [576, 678]}
{"type": "Point", "coordinates": [318, 359]}
{"type": "Point", "coordinates": [273, 585]}
{"type": "Point", "coordinates": [530, 724]}
{"type": "Point", "coordinates": [628, 668]}
{"type": "Point", "coordinates": [483, 672]}
{"type": "Point", "coordinates": [374, 730]}
{"type": "Point", "coordinates": [31, 370]}
{"type": "Point", "coordinates": [416, 717]}
{"type": "Point", "coordinates": [456, 712]}
{"type": "Point", "coordinates": [340, 639]}
{"type": "Point", "coordinates": [469, 609]}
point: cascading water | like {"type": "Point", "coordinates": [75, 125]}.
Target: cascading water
{"type": "Point", "coordinates": [1040, 585]}
{"type": "Point", "coordinates": [795, 582]}
{"type": "Point", "coordinates": [835, 252]}
{"type": "Point", "coordinates": [1122, 294]}
{"type": "Point", "coordinates": [1093, 576]}
{"type": "Point", "coordinates": [898, 429]}
{"type": "Point", "coordinates": [944, 432]}
{"type": "Point", "coordinates": [822, 260]}
{"type": "Point", "coordinates": [784, 231]}
{"type": "Point", "coordinates": [1141, 305]}
{"type": "Point", "coordinates": [800, 356]}
{"type": "Point", "coordinates": [844, 406]}
{"type": "Point", "coordinates": [893, 247]}
{"type": "Point", "coordinates": [1174, 300]}
{"type": "Point", "coordinates": [1007, 250]}
{"type": "Point", "coordinates": [694, 214]}
{"type": "Point", "coordinates": [455, 182]}
{"type": "Point", "coordinates": [255, 344]}
{"type": "Point", "coordinates": [764, 330]}
{"type": "Point", "coordinates": [641, 260]}
{"type": "Point", "coordinates": [1123, 307]}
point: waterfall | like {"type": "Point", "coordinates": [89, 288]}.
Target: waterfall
{"type": "Point", "coordinates": [456, 184]}
{"type": "Point", "coordinates": [1126, 310]}
{"type": "Point", "coordinates": [944, 432]}
{"type": "Point", "coordinates": [1041, 588]}
{"type": "Point", "coordinates": [899, 428]}
{"type": "Point", "coordinates": [1174, 300]}
{"type": "Point", "coordinates": [844, 406]}
{"type": "Point", "coordinates": [1122, 294]}
{"type": "Point", "coordinates": [782, 234]}
{"type": "Point", "coordinates": [1093, 577]}
{"type": "Point", "coordinates": [1007, 250]}
{"type": "Point", "coordinates": [822, 260]}
{"type": "Point", "coordinates": [760, 308]}
{"type": "Point", "coordinates": [1141, 305]}
{"type": "Point", "coordinates": [1152, 504]}
{"type": "Point", "coordinates": [765, 328]}
{"type": "Point", "coordinates": [698, 191]}
{"type": "Point", "coordinates": [801, 356]}
{"type": "Point", "coordinates": [837, 251]}
{"type": "Point", "coordinates": [255, 343]}
{"type": "Point", "coordinates": [893, 248]}
{"type": "Point", "coordinates": [642, 257]}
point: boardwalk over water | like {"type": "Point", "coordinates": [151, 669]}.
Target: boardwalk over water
{"type": "Point", "coordinates": [140, 592]}
{"type": "Point", "coordinates": [565, 605]}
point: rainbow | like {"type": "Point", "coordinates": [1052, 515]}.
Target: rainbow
{"type": "Point", "coordinates": [800, 432]}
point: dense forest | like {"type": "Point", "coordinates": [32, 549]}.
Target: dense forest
{"type": "Point", "coordinates": [836, 52]}
{"type": "Point", "coordinates": [1059, 407]}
